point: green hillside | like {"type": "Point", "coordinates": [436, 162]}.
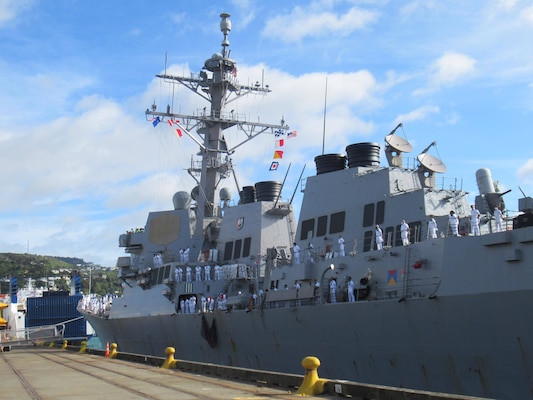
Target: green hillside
{"type": "Point", "coordinates": [54, 273]}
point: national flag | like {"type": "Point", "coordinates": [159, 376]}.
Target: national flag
{"type": "Point", "coordinates": [155, 121]}
{"type": "Point", "coordinates": [280, 143]}
{"type": "Point", "coordinates": [274, 166]}
{"type": "Point", "coordinates": [179, 133]}
{"type": "Point", "coordinates": [279, 133]}
{"type": "Point", "coordinates": [170, 122]}
{"type": "Point", "coordinates": [234, 71]}
{"type": "Point", "coordinates": [278, 154]}
{"type": "Point", "coordinates": [292, 134]}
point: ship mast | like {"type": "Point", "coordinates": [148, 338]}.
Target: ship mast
{"type": "Point", "coordinates": [217, 83]}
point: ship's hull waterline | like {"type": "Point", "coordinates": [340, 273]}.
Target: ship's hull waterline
{"type": "Point", "coordinates": [460, 344]}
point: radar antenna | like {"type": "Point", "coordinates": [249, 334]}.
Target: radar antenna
{"type": "Point", "coordinates": [395, 146]}
{"type": "Point", "coordinates": [429, 164]}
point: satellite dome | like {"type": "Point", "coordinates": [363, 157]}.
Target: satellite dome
{"type": "Point", "coordinates": [225, 194]}
{"type": "Point", "coordinates": [181, 200]}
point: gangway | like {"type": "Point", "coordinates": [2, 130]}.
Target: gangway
{"type": "Point", "coordinates": [33, 335]}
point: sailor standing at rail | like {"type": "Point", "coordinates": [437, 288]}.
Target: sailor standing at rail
{"type": "Point", "coordinates": [341, 246]}
{"type": "Point", "coordinates": [333, 290]}
{"type": "Point", "coordinates": [207, 272]}
{"type": "Point", "coordinates": [186, 255]}
{"type": "Point", "coordinates": [188, 274]}
{"type": "Point", "coordinates": [498, 218]}
{"type": "Point", "coordinates": [475, 216]}
{"type": "Point", "coordinates": [178, 272]}
{"type": "Point", "coordinates": [379, 238]}
{"type": "Point", "coordinates": [310, 251]}
{"type": "Point", "coordinates": [454, 223]}
{"type": "Point", "coordinates": [351, 290]}
{"type": "Point", "coordinates": [198, 273]}
{"type": "Point", "coordinates": [404, 229]}
{"type": "Point", "coordinates": [296, 253]}
{"type": "Point", "coordinates": [432, 227]}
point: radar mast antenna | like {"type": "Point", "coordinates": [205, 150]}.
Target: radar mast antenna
{"type": "Point", "coordinates": [216, 83]}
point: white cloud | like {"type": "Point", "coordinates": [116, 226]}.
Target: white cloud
{"type": "Point", "coordinates": [527, 14]}
{"type": "Point", "coordinates": [448, 70]}
{"type": "Point", "coordinates": [525, 172]}
{"type": "Point", "coordinates": [11, 9]}
{"type": "Point", "coordinates": [418, 114]}
{"type": "Point", "coordinates": [452, 67]}
{"type": "Point", "coordinates": [314, 22]}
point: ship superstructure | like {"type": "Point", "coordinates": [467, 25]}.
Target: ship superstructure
{"type": "Point", "coordinates": [248, 285]}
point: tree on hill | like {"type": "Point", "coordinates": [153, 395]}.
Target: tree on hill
{"type": "Point", "coordinates": [41, 268]}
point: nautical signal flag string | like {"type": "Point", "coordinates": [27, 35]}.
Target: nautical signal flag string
{"type": "Point", "coordinates": [280, 135]}
{"type": "Point", "coordinates": [171, 122]}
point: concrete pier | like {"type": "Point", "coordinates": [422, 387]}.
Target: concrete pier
{"type": "Point", "coordinates": [43, 372]}
{"type": "Point", "coordinates": [54, 373]}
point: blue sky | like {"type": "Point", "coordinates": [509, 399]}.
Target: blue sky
{"type": "Point", "coordinates": [80, 164]}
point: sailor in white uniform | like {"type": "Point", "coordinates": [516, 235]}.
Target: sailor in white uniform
{"type": "Point", "coordinates": [379, 238]}
{"type": "Point", "coordinates": [333, 290]}
{"type": "Point", "coordinates": [351, 290]}
{"type": "Point", "coordinates": [296, 253]}
{"type": "Point", "coordinates": [404, 230]}
{"type": "Point", "coordinates": [341, 246]}
{"type": "Point", "coordinates": [475, 216]}
{"type": "Point", "coordinates": [454, 223]}
{"type": "Point", "coordinates": [433, 228]}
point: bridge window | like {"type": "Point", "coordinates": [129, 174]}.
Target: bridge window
{"type": "Point", "coordinates": [380, 212]}
{"type": "Point", "coordinates": [237, 249]}
{"type": "Point", "coordinates": [337, 222]}
{"type": "Point", "coordinates": [308, 226]}
{"type": "Point", "coordinates": [246, 247]}
{"type": "Point", "coordinates": [368, 215]}
{"type": "Point", "coordinates": [228, 251]}
{"type": "Point", "coordinates": [322, 225]}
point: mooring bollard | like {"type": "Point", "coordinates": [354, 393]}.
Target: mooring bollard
{"type": "Point", "coordinates": [113, 353]}
{"type": "Point", "coordinates": [311, 384]}
{"type": "Point", "coordinates": [170, 362]}
{"type": "Point", "coordinates": [83, 347]}
{"type": "Point", "coordinates": [65, 344]}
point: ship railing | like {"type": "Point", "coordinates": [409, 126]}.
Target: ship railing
{"type": "Point", "coordinates": [236, 271]}
{"type": "Point", "coordinates": [21, 337]}
{"type": "Point", "coordinates": [406, 288]}
{"type": "Point", "coordinates": [306, 295]}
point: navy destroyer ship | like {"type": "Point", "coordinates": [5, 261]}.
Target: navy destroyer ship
{"type": "Point", "coordinates": [421, 303]}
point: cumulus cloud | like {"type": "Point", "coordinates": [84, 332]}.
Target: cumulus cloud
{"type": "Point", "coordinates": [525, 172]}
{"type": "Point", "coordinates": [11, 9]}
{"type": "Point", "coordinates": [527, 14]}
{"type": "Point", "coordinates": [418, 114]}
{"type": "Point", "coordinates": [314, 22]}
{"type": "Point", "coordinates": [448, 70]}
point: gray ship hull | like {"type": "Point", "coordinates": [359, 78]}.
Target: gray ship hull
{"type": "Point", "coordinates": [454, 344]}
{"type": "Point", "coordinates": [444, 287]}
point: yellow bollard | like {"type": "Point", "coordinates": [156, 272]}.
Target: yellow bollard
{"type": "Point", "coordinates": [52, 344]}
{"type": "Point", "coordinates": [113, 353]}
{"type": "Point", "coordinates": [83, 347]}
{"type": "Point", "coordinates": [65, 343]}
{"type": "Point", "coordinates": [170, 362]}
{"type": "Point", "coordinates": [311, 384]}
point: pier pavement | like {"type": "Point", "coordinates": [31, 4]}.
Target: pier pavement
{"type": "Point", "coordinates": [42, 373]}
{"type": "Point", "coordinates": [35, 373]}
